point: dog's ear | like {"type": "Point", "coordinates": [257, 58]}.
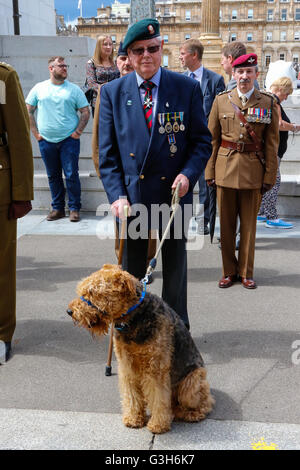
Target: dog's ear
{"type": "Point", "coordinates": [130, 285]}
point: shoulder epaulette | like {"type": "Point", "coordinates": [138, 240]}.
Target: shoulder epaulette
{"type": "Point", "coordinates": [5, 65]}
{"type": "Point", "coordinates": [223, 92]}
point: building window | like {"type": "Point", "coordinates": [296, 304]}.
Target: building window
{"type": "Point", "coordinates": [167, 11]}
{"type": "Point", "coordinates": [269, 36]}
{"type": "Point", "coordinates": [113, 38]}
{"type": "Point", "coordinates": [220, 14]}
{"type": "Point", "coordinates": [234, 14]}
{"type": "Point", "coordinates": [165, 61]}
{"type": "Point", "coordinates": [233, 37]}
{"type": "Point", "coordinates": [166, 38]}
{"type": "Point", "coordinates": [283, 36]}
{"type": "Point", "coordinates": [296, 59]}
{"type": "Point", "coordinates": [284, 14]}
{"type": "Point", "coordinates": [187, 15]}
{"type": "Point", "coordinates": [249, 37]}
{"type": "Point", "coordinates": [297, 14]}
{"type": "Point", "coordinates": [297, 36]}
{"type": "Point", "coordinates": [268, 60]}
{"type": "Point", "coordinates": [187, 36]}
{"type": "Point", "coordinates": [282, 56]}
{"type": "Point", "coordinates": [270, 15]}
{"type": "Point", "coordinates": [250, 14]}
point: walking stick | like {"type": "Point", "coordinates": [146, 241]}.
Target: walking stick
{"type": "Point", "coordinates": [121, 248]}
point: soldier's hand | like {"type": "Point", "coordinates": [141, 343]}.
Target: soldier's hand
{"type": "Point", "coordinates": [117, 208]}
{"type": "Point", "coordinates": [185, 184]}
{"type": "Point", "coordinates": [211, 183]}
{"type": "Point", "coordinates": [265, 188]}
{"type": "Point", "coordinates": [18, 209]}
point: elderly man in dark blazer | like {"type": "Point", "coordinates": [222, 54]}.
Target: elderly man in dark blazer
{"type": "Point", "coordinates": [16, 192]}
{"type": "Point", "coordinates": [212, 84]}
{"type": "Point", "coordinates": [153, 135]}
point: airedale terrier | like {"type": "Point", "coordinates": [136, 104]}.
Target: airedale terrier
{"type": "Point", "coordinates": [159, 366]}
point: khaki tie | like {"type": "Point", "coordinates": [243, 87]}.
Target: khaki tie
{"type": "Point", "coordinates": [244, 99]}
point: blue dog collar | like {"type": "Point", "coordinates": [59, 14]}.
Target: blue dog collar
{"type": "Point", "coordinates": [133, 307]}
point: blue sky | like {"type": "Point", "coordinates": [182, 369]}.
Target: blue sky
{"type": "Point", "coordinates": [69, 9]}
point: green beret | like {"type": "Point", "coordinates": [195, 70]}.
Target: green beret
{"type": "Point", "coordinates": [143, 29]}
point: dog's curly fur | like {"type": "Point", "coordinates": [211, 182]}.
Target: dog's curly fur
{"type": "Point", "coordinates": [159, 365]}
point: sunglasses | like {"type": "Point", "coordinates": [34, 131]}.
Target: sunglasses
{"type": "Point", "coordinates": [141, 50]}
{"type": "Point", "coordinates": [61, 66]}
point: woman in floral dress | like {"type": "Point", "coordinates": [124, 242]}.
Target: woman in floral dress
{"type": "Point", "coordinates": [101, 68]}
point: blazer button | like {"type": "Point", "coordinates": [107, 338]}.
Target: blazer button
{"type": "Point", "coordinates": [142, 177]}
{"type": "Point", "coordinates": [163, 178]}
{"type": "Point", "coordinates": [132, 154]}
{"type": "Point", "coordinates": [241, 136]}
{"type": "Point", "coordinates": [1, 166]}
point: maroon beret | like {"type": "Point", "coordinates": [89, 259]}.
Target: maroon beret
{"type": "Point", "coordinates": [246, 60]}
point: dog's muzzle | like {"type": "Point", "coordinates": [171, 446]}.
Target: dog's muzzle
{"type": "Point", "coordinates": [69, 312]}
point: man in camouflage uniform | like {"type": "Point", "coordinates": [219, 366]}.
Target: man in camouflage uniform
{"type": "Point", "coordinates": [242, 167]}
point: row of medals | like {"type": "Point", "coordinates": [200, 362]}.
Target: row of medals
{"type": "Point", "coordinates": [170, 128]}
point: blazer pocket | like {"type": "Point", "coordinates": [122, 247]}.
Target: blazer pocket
{"type": "Point", "coordinates": [5, 177]}
{"type": "Point", "coordinates": [223, 152]}
{"type": "Point", "coordinates": [226, 120]}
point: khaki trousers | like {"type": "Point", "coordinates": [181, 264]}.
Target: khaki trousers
{"type": "Point", "coordinates": [232, 203]}
{"type": "Point", "coordinates": [8, 233]}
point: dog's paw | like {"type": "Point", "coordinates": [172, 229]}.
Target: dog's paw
{"type": "Point", "coordinates": [158, 427]}
{"type": "Point", "coordinates": [134, 421]}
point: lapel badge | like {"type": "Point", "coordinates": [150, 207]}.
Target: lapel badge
{"type": "Point", "coordinates": [129, 103]}
{"type": "Point", "coordinates": [167, 105]}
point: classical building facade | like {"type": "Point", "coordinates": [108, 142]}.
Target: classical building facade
{"type": "Point", "coordinates": [270, 28]}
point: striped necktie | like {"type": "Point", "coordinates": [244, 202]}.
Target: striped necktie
{"type": "Point", "coordinates": [192, 75]}
{"type": "Point", "coordinates": [148, 103]}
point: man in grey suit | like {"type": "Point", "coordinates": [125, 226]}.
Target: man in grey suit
{"type": "Point", "coordinates": [212, 84]}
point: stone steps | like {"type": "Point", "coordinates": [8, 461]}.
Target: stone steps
{"type": "Point", "coordinates": [93, 193]}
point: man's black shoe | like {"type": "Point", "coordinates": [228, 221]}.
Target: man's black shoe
{"type": "Point", "coordinates": [5, 351]}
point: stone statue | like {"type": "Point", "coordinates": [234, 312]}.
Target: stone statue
{"type": "Point", "coordinates": [140, 9]}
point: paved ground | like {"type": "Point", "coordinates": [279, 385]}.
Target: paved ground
{"type": "Point", "coordinates": [54, 394]}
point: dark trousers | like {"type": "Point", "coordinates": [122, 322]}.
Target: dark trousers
{"type": "Point", "coordinates": [64, 156]}
{"type": "Point", "coordinates": [8, 235]}
{"type": "Point", "coordinates": [174, 269]}
{"type": "Point", "coordinates": [203, 199]}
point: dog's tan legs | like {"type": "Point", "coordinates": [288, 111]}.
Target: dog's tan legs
{"type": "Point", "coordinates": [158, 395]}
{"type": "Point", "coordinates": [133, 403]}
{"type": "Point", "coordinates": [194, 398]}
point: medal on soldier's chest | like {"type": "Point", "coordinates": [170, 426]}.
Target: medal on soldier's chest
{"type": "Point", "coordinates": [172, 142]}
{"type": "Point", "coordinates": [161, 120]}
{"type": "Point", "coordinates": [168, 126]}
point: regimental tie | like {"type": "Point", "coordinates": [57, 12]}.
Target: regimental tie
{"type": "Point", "coordinates": [148, 103]}
{"type": "Point", "coordinates": [244, 99]}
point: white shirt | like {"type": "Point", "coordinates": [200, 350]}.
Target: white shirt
{"type": "Point", "coordinates": [248, 94]}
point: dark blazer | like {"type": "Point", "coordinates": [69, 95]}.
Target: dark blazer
{"type": "Point", "coordinates": [211, 85]}
{"type": "Point", "coordinates": [133, 163]}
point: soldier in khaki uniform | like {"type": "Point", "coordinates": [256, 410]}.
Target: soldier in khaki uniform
{"type": "Point", "coordinates": [241, 166]}
{"type": "Point", "coordinates": [16, 192]}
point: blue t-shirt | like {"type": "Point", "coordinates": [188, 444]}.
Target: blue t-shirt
{"type": "Point", "coordinates": [57, 107]}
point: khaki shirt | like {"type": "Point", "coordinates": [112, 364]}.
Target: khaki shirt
{"type": "Point", "coordinates": [242, 170]}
